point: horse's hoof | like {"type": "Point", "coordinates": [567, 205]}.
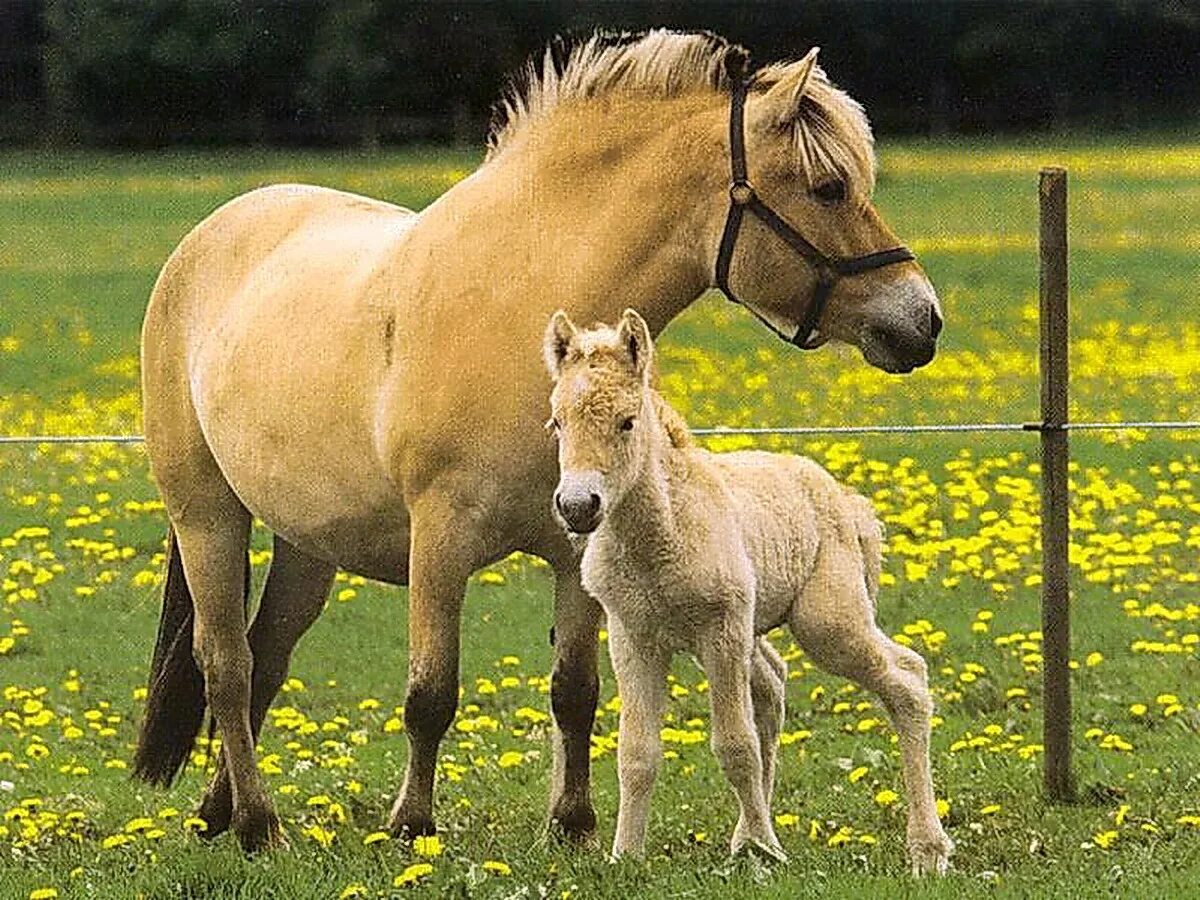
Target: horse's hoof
{"type": "Point", "coordinates": [259, 831]}
{"type": "Point", "coordinates": [409, 826]}
{"type": "Point", "coordinates": [576, 825]}
{"type": "Point", "coordinates": [216, 809]}
{"type": "Point", "coordinates": [930, 856]}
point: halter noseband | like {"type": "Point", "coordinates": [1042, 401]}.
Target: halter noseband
{"type": "Point", "coordinates": [743, 197]}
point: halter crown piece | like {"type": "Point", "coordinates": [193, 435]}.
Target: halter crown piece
{"type": "Point", "coordinates": [743, 198]}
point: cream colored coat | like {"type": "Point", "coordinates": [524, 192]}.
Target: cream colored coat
{"type": "Point", "coordinates": [693, 551]}
{"type": "Point", "coordinates": [365, 380]}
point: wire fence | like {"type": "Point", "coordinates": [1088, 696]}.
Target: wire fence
{"type": "Point", "coordinates": [729, 431]}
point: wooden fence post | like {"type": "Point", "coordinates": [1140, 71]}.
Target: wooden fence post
{"type": "Point", "coordinates": [1056, 630]}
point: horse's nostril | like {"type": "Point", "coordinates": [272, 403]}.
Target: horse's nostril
{"type": "Point", "coordinates": [558, 504]}
{"type": "Point", "coordinates": [594, 502]}
{"type": "Point", "coordinates": [935, 323]}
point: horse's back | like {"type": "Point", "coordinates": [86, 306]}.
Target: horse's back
{"type": "Point", "coordinates": [264, 348]}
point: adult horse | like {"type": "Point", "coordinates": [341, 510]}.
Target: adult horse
{"type": "Point", "coordinates": [368, 380]}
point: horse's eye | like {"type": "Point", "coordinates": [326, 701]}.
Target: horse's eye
{"type": "Point", "coordinates": [627, 423]}
{"type": "Point", "coordinates": [831, 192]}
{"type": "Point", "coordinates": [552, 424]}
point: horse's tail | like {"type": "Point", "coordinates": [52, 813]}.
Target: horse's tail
{"type": "Point", "coordinates": [175, 696]}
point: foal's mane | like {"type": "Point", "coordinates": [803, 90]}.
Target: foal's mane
{"type": "Point", "coordinates": [830, 133]}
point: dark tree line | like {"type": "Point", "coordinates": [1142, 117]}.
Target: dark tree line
{"type": "Point", "coordinates": [153, 72]}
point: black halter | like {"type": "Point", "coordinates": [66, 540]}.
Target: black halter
{"type": "Point", "coordinates": [742, 197]}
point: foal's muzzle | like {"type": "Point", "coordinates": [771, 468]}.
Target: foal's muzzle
{"type": "Point", "coordinates": [579, 509]}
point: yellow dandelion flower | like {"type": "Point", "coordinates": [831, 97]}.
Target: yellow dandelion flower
{"type": "Point", "coordinates": [509, 759]}
{"type": "Point", "coordinates": [428, 845]}
{"type": "Point", "coordinates": [857, 774]}
{"type": "Point", "coordinates": [990, 809]}
{"type": "Point", "coordinates": [886, 797]}
{"type": "Point", "coordinates": [787, 820]}
{"type": "Point", "coordinates": [412, 874]}
{"type": "Point", "coordinates": [376, 837]}
{"type": "Point", "coordinates": [496, 867]}
{"type": "Point", "coordinates": [351, 891]}
{"type": "Point", "coordinates": [43, 893]}
{"type": "Point", "coordinates": [1105, 839]}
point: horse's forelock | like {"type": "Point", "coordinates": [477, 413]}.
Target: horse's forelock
{"type": "Point", "coordinates": [830, 131]}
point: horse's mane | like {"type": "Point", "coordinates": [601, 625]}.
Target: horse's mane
{"type": "Point", "coordinates": [831, 134]}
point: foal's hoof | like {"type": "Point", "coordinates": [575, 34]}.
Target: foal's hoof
{"type": "Point", "coordinates": [259, 831]}
{"type": "Point", "coordinates": [766, 849]}
{"type": "Point", "coordinates": [930, 856]}
{"type": "Point", "coordinates": [576, 824]}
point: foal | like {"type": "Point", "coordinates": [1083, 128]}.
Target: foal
{"type": "Point", "coordinates": [702, 552]}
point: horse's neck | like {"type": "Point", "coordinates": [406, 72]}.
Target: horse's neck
{"type": "Point", "coordinates": [608, 208]}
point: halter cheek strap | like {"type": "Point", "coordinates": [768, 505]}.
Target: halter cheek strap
{"type": "Point", "coordinates": [743, 198]}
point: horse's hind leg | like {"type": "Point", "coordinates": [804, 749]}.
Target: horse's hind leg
{"type": "Point", "coordinates": [767, 679]}
{"type": "Point", "coordinates": [292, 599]}
{"type": "Point", "coordinates": [834, 622]}
{"type": "Point", "coordinates": [213, 538]}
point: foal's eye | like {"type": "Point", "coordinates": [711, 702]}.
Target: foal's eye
{"type": "Point", "coordinates": [627, 423]}
{"type": "Point", "coordinates": [831, 192]}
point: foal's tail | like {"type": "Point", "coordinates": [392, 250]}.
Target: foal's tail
{"type": "Point", "coordinates": [870, 542]}
{"type": "Point", "coordinates": [175, 697]}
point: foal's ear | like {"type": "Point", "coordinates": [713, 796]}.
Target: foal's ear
{"type": "Point", "coordinates": [634, 336]}
{"type": "Point", "coordinates": [557, 343]}
{"type": "Point", "coordinates": [784, 95]}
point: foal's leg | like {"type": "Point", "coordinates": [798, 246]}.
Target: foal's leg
{"type": "Point", "coordinates": [767, 679]}
{"type": "Point", "coordinates": [212, 547]}
{"type": "Point", "coordinates": [292, 599]}
{"type": "Point", "coordinates": [443, 552]}
{"type": "Point", "coordinates": [642, 683]}
{"type": "Point", "coordinates": [728, 661]}
{"type": "Point", "coordinates": [834, 623]}
{"type": "Point", "coordinates": [574, 687]}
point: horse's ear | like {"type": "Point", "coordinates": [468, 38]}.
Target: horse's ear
{"type": "Point", "coordinates": [784, 95]}
{"type": "Point", "coordinates": [634, 336]}
{"type": "Point", "coordinates": [557, 343]}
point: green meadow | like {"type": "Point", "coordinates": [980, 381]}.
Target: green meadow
{"type": "Point", "coordinates": [81, 239]}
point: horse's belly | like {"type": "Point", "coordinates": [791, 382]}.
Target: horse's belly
{"type": "Point", "coordinates": [285, 381]}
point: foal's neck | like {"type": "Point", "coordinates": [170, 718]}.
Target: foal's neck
{"type": "Point", "coordinates": [644, 520]}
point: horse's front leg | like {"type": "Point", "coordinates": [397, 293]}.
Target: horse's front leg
{"type": "Point", "coordinates": [574, 688]}
{"type": "Point", "coordinates": [443, 552]}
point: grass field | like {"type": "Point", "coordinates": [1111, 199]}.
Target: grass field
{"type": "Point", "coordinates": [81, 239]}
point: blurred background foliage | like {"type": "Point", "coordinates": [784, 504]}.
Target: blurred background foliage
{"type": "Point", "coordinates": [145, 73]}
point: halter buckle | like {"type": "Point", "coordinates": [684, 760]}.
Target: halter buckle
{"type": "Point", "coordinates": [741, 193]}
